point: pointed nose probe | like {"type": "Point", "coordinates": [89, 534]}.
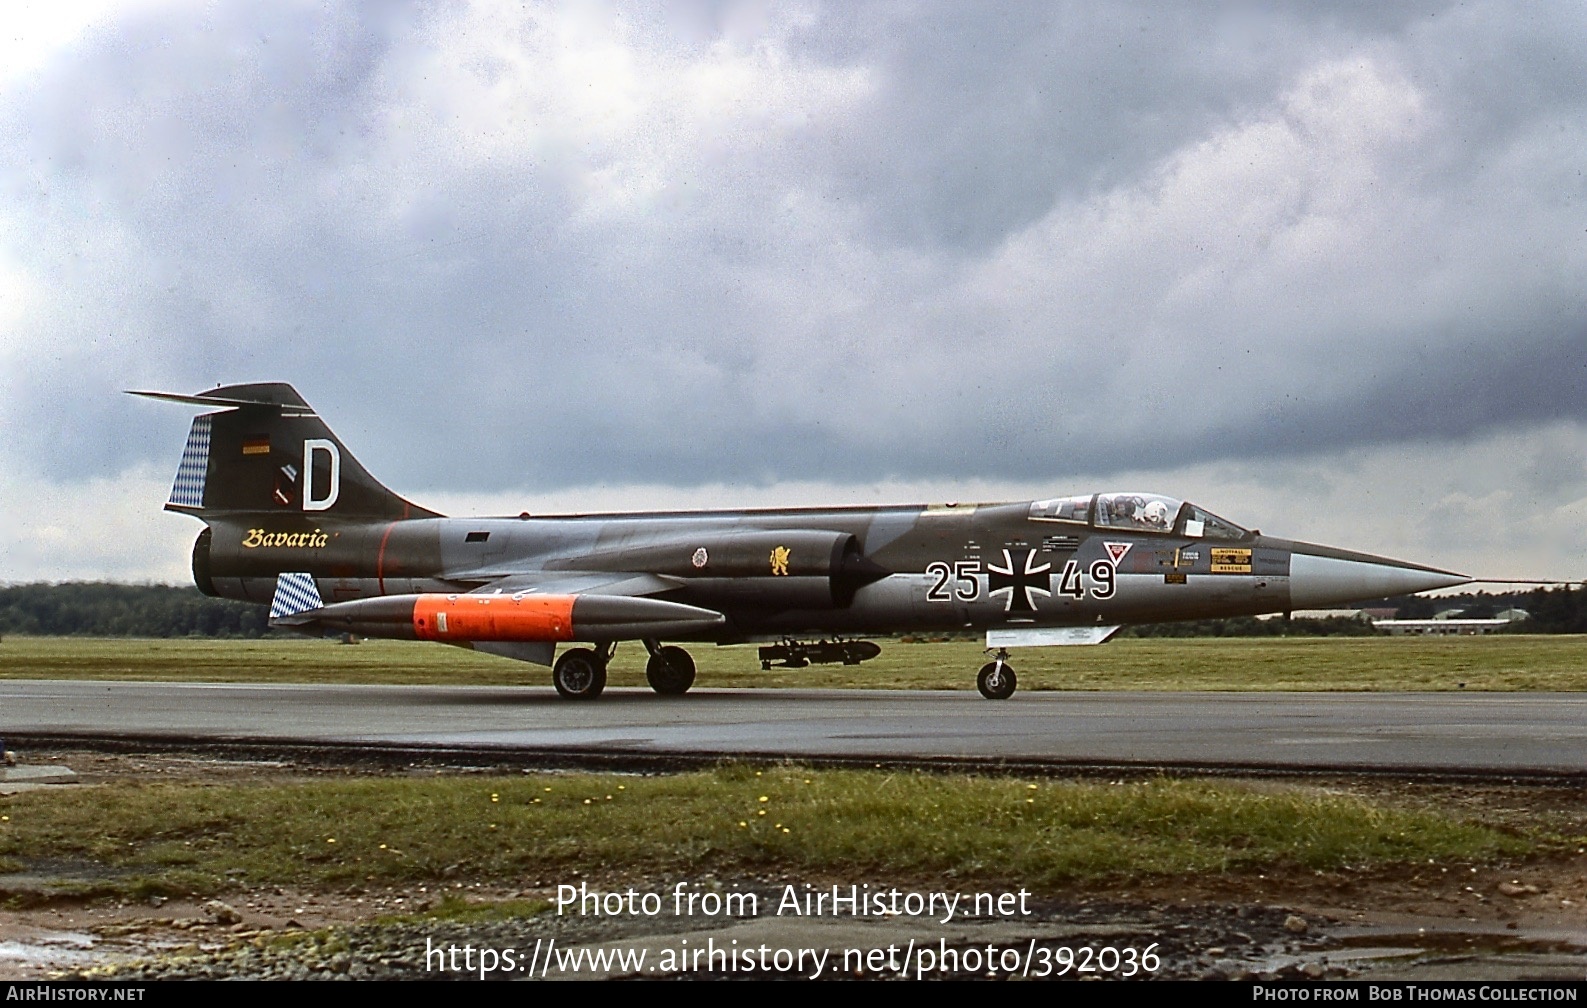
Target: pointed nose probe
{"type": "Point", "coordinates": [1320, 576]}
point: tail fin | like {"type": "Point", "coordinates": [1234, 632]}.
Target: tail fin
{"type": "Point", "coordinates": [295, 593]}
{"type": "Point", "coordinates": [267, 450]}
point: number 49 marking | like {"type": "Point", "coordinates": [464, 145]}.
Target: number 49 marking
{"type": "Point", "coordinates": [1103, 581]}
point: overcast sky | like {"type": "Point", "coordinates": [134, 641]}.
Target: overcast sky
{"type": "Point", "coordinates": [1320, 268]}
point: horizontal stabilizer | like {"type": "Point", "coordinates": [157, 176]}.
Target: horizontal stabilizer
{"type": "Point", "coordinates": [277, 394]}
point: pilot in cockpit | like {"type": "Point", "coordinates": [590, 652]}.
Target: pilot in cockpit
{"type": "Point", "coordinates": [1155, 516]}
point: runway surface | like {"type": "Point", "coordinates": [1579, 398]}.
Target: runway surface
{"type": "Point", "coordinates": [1464, 733]}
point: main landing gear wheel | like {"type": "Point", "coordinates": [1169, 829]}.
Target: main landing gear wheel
{"type": "Point", "coordinates": [996, 681]}
{"type": "Point", "coordinates": [670, 671]}
{"type": "Point", "coordinates": [580, 674]}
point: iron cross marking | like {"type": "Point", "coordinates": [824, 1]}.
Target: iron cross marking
{"type": "Point", "coordinates": [1019, 582]}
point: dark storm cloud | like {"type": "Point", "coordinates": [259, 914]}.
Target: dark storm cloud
{"type": "Point", "coordinates": [987, 114]}
{"type": "Point", "coordinates": [503, 250]}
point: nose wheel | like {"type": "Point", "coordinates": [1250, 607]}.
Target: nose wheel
{"type": "Point", "coordinates": [996, 680]}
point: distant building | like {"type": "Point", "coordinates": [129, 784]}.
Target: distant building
{"type": "Point", "coordinates": [1445, 624]}
{"type": "Point", "coordinates": [1350, 614]}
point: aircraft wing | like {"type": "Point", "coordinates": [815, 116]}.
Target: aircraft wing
{"type": "Point", "coordinates": [626, 584]}
{"type": "Point", "coordinates": [592, 592]}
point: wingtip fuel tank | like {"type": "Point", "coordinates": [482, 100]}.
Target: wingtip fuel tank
{"type": "Point", "coordinates": [508, 618]}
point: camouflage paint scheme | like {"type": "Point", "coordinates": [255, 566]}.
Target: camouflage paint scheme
{"type": "Point", "coordinates": [290, 513]}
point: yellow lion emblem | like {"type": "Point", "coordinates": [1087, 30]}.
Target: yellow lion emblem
{"type": "Point", "coordinates": [779, 560]}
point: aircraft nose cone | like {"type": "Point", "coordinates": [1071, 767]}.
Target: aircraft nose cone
{"type": "Point", "coordinates": [1320, 576]}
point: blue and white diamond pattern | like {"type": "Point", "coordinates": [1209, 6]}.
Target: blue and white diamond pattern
{"type": "Point", "coordinates": [295, 593]}
{"type": "Point", "coordinates": [188, 490]}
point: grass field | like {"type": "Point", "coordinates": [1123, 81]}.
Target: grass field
{"type": "Point", "coordinates": [1507, 662]}
{"type": "Point", "coordinates": [142, 839]}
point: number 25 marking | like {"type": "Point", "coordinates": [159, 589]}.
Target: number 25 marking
{"type": "Point", "coordinates": [966, 587]}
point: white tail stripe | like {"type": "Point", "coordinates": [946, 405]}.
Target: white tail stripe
{"type": "Point", "coordinates": [188, 490]}
{"type": "Point", "coordinates": [295, 593]}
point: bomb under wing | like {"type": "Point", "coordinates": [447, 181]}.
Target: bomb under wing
{"type": "Point", "coordinates": [291, 519]}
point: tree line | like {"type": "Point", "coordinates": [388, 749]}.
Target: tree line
{"type": "Point", "coordinates": [104, 609]}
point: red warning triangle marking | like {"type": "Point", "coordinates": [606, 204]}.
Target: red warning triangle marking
{"type": "Point", "coordinates": [1116, 550]}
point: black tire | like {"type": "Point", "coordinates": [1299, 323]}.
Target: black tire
{"type": "Point", "coordinates": [670, 671]}
{"type": "Point", "coordinates": [996, 683]}
{"type": "Point", "coordinates": [579, 674]}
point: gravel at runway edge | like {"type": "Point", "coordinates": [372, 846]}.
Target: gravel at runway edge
{"type": "Point", "coordinates": [1193, 942]}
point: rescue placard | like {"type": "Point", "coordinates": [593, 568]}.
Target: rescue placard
{"type": "Point", "coordinates": [1231, 561]}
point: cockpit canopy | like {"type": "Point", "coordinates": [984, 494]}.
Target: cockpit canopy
{"type": "Point", "coordinates": [1137, 512]}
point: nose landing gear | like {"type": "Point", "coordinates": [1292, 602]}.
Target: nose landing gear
{"type": "Point", "coordinates": [996, 680]}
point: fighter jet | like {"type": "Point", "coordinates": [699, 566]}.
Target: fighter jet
{"type": "Point", "coordinates": [293, 521]}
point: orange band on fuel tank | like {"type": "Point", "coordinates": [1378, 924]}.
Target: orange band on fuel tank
{"type": "Point", "coordinates": [493, 617]}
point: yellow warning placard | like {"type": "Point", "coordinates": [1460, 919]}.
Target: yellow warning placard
{"type": "Point", "coordinates": [1231, 561]}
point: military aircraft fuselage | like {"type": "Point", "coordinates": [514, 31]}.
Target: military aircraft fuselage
{"type": "Point", "coordinates": [294, 521]}
{"type": "Point", "coordinates": [801, 572]}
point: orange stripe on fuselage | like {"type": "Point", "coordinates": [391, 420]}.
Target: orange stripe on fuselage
{"type": "Point", "coordinates": [380, 559]}
{"type": "Point", "coordinates": [493, 617]}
